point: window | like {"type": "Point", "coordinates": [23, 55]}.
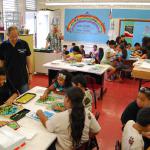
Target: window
{"type": "Point", "coordinates": [11, 13]}
{"type": "Point", "coordinates": [31, 5]}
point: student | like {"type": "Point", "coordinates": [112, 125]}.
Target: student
{"type": "Point", "coordinates": [132, 134]}
{"type": "Point", "coordinates": [71, 49]}
{"type": "Point", "coordinates": [75, 55]}
{"type": "Point", "coordinates": [143, 100]}
{"type": "Point", "coordinates": [65, 50]}
{"type": "Point", "coordinates": [94, 53]}
{"type": "Point", "coordinates": [82, 50]}
{"type": "Point", "coordinates": [146, 48]}
{"type": "Point", "coordinates": [7, 91]}
{"type": "Point", "coordinates": [74, 125]}
{"type": "Point", "coordinates": [80, 81]}
{"type": "Point", "coordinates": [123, 41]}
{"type": "Point", "coordinates": [63, 81]}
{"type": "Point", "coordinates": [138, 50]}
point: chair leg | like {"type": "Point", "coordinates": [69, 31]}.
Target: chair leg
{"type": "Point", "coordinates": [94, 98]}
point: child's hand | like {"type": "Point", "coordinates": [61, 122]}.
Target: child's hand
{"type": "Point", "coordinates": [44, 97]}
{"type": "Point", "coordinates": [39, 112]}
{"type": "Point", "coordinates": [9, 102]}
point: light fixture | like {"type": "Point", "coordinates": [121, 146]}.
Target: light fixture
{"type": "Point", "coordinates": [97, 3]}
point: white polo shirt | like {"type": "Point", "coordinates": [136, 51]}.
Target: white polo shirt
{"type": "Point", "coordinates": [60, 125]}
{"type": "Point", "coordinates": [131, 138]}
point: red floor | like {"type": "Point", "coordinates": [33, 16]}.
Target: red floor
{"type": "Point", "coordinates": [118, 95]}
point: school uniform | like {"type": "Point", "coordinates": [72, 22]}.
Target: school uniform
{"type": "Point", "coordinates": [131, 138]}
{"type": "Point", "coordinates": [87, 101]}
{"type": "Point", "coordinates": [60, 125]}
{"type": "Point", "coordinates": [15, 62]}
{"type": "Point", "coordinates": [130, 112]}
{"type": "Point", "coordinates": [6, 91]}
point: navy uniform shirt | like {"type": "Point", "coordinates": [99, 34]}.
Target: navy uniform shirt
{"type": "Point", "coordinates": [6, 91]}
{"type": "Point", "coordinates": [15, 61]}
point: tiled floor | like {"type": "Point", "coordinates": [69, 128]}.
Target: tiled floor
{"type": "Point", "coordinates": [118, 95]}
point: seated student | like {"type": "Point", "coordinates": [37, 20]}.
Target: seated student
{"type": "Point", "coordinates": [108, 58]}
{"type": "Point", "coordinates": [100, 55]}
{"type": "Point", "coordinates": [75, 55]}
{"type": "Point", "coordinates": [74, 125]}
{"type": "Point", "coordinates": [80, 81]}
{"type": "Point", "coordinates": [71, 49]}
{"type": "Point", "coordinates": [146, 48]}
{"type": "Point", "coordinates": [123, 41]}
{"type": "Point", "coordinates": [62, 82]}
{"type": "Point", "coordinates": [132, 133]}
{"type": "Point", "coordinates": [137, 50]}
{"type": "Point", "coordinates": [143, 100]}
{"type": "Point", "coordinates": [82, 50]}
{"type": "Point", "coordinates": [8, 93]}
{"type": "Point", "coordinates": [65, 50]}
{"type": "Point", "coordinates": [94, 52]}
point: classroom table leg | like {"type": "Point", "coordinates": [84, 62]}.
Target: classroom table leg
{"type": "Point", "coordinates": [140, 83]}
{"type": "Point", "coordinates": [102, 89]}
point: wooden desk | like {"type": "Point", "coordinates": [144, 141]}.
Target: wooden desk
{"type": "Point", "coordinates": [140, 73]}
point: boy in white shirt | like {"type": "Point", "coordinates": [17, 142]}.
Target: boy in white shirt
{"type": "Point", "coordinates": [132, 134]}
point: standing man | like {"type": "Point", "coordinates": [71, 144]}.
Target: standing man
{"type": "Point", "coordinates": [15, 56]}
{"type": "Point", "coordinates": [53, 40]}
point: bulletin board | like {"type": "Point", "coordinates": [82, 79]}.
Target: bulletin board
{"type": "Point", "coordinates": [134, 30]}
{"type": "Point", "coordinates": [87, 25]}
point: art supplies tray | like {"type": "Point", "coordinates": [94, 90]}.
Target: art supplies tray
{"type": "Point", "coordinates": [19, 115]}
{"type": "Point", "coordinates": [8, 111]}
{"type": "Point", "coordinates": [25, 98]}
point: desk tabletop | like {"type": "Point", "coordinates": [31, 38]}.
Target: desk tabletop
{"type": "Point", "coordinates": [82, 66]}
{"type": "Point", "coordinates": [141, 69]}
{"type": "Point", "coordinates": [43, 138]}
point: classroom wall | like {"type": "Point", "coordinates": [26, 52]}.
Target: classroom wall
{"type": "Point", "coordinates": [88, 46]}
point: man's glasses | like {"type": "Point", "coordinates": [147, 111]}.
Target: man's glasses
{"type": "Point", "coordinates": [145, 90]}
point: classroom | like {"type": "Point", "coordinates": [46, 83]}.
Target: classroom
{"type": "Point", "coordinates": [74, 75]}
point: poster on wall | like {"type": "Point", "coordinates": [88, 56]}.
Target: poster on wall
{"type": "Point", "coordinates": [135, 30]}
{"type": "Point", "coordinates": [128, 31]}
{"type": "Point", "coordinates": [87, 25]}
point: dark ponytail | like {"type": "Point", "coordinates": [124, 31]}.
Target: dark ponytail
{"type": "Point", "coordinates": [77, 115]}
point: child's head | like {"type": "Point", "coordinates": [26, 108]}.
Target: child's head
{"type": "Point", "coordinates": [112, 44]}
{"type": "Point", "coordinates": [81, 47]}
{"type": "Point", "coordinates": [118, 40]}
{"type": "Point", "coordinates": [2, 76]}
{"type": "Point", "coordinates": [64, 47]}
{"type": "Point", "coordinates": [143, 99]}
{"type": "Point", "coordinates": [64, 78]}
{"type": "Point", "coordinates": [143, 119]}
{"type": "Point", "coordinates": [122, 37]}
{"type": "Point", "coordinates": [137, 46]}
{"type": "Point", "coordinates": [79, 81]}
{"type": "Point", "coordinates": [129, 46]}
{"type": "Point", "coordinates": [94, 47]}
{"type": "Point", "coordinates": [76, 50]}
{"type": "Point", "coordinates": [73, 44]}
{"type": "Point", "coordinates": [73, 97]}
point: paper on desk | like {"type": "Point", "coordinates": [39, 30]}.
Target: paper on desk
{"type": "Point", "coordinates": [145, 65]}
{"type": "Point", "coordinates": [28, 133]}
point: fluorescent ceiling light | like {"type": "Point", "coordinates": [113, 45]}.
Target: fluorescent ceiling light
{"type": "Point", "coordinates": [98, 3]}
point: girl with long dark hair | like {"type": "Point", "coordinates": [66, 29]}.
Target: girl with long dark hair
{"type": "Point", "coordinates": [74, 125]}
